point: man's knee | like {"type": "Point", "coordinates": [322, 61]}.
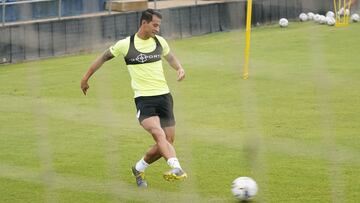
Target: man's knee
{"type": "Point", "coordinates": [155, 131]}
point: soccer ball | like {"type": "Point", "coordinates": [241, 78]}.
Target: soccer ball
{"type": "Point", "coordinates": [244, 188]}
{"type": "Point", "coordinates": [355, 17]}
{"type": "Point", "coordinates": [317, 18]}
{"type": "Point", "coordinates": [303, 17]}
{"type": "Point", "coordinates": [310, 15]}
{"type": "Point", "coordinates": [283, 22]}
{"type": "Point", "coordinates": [322, 19]}
{"type": "Point", "coordinates": [330, 14]}
{"type": "Point", "coordinates": [330, 21]}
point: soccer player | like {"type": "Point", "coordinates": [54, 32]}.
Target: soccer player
{"type": "Point", "coordinates": [142, 53]}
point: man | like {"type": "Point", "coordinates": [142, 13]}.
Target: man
{"type": "Point", "coordinates": [142, 53]}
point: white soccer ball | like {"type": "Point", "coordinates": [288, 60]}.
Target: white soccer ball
{"type": "Point", "coordinates": [330, 14]}
{"type": "Point", "coordinates": [322, 19]}
{"type": "Point", "coordinates": [303, 17]}
{"type": "Point", "coordinates": [355, 17]}
{"type": "Point", "coordinates": [330, 21]}
{"type": "Point", "coordinates": [283, 22]}
{"type": "Point", "coordinates": [310, 15]}
{"type": "Point", "coordinates": [244, 188]}
{"type": "Point", "coordinates": [317, 18]}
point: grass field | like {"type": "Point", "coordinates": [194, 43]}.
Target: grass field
{"type": "Point", "coordinates": [293, 126]}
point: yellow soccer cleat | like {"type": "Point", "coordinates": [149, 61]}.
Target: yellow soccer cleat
{"type": "Point", "coordinates": [175, 174]}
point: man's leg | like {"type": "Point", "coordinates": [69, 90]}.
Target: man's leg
{"type": "Point", "coordinates": [163, 147]}
{"type": "Point", "coordinates": [153, 154]}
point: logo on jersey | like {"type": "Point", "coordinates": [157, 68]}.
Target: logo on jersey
{"type": "Point", "coordinates": [142, 58]}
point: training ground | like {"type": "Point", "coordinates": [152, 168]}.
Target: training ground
{"type": "Point", "coordinates": [293, 126]}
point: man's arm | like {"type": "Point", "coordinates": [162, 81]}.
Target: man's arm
{"type": "Point", "coordinates": [107, 55]}
{"type": "Point", "coordinates": [175, 64]}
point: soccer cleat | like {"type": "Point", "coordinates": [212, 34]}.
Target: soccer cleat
{"type": "Point", "coordinates": [175, 174]}
{"type": "Point", "coordinates": [140, 177]}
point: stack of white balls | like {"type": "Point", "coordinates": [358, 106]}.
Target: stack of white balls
{"type": "Point", "coordinates": [328, 19]}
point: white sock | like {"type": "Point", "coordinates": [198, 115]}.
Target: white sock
{"type": "Point", "coordinates": [141, 165]}
{"type": "Point", "coordinates": [173, 162]}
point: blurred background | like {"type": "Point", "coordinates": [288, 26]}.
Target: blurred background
{"type": "Point", "coordinates": [32, 29]}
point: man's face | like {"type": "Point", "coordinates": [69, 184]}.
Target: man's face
{"type": "Point", "coordinates": [153, 27]}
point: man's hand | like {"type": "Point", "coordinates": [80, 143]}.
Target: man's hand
{"type": "Point", "coordinates": [180, 74]}
{"type": "Point", "coordinates": [84, 86]}
{"type": "Point", "coordinates": [107, 55]}
{"type": "Point", "coordinates": [175, 64]}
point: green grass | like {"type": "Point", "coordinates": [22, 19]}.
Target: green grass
{"type": "Point", "coordinates": [293, 125]}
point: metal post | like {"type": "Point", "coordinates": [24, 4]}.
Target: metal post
{"type": "Point", "coordinates": [59, 10]}
{"type": "Point", "coordinates": [110, 3]}
{"type": "Point", "coordinates": [3, 13]}
{"type": "Point", "coordinates": [248, 39]}
{"type": "Point", "coordinates": [196, 2]}
{"type": "Point", "coordinates": [155, 6]}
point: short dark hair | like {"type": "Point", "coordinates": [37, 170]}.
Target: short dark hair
{"type": "Point", "coordinates": [147, 15]}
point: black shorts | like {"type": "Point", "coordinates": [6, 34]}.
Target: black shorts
{"type": "Point", "coordinates": [160, 105]}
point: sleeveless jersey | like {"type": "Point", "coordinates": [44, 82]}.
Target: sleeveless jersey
{"type": "Point", "coordinates": [143, 60]}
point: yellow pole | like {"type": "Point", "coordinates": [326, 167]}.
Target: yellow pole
{"type": "Point", "coordinates": [336, 12]}
{"type": "Point", "coordinates": [349, 7]}
{"type": "Point", "coordinates": [247, 43]}
{"type": "Point", "coordinates": [344, 18]}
